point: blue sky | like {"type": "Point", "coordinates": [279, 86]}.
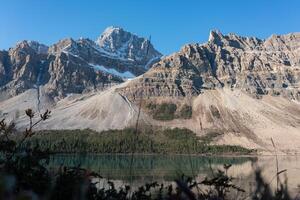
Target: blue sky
{"type": "Point", "coordinates": [171, 23]}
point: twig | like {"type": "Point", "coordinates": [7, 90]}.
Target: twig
{"type": "Point", "coordinates": [277, 167]}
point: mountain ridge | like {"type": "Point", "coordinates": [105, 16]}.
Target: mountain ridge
{"type": "Point", "coordinates": [73, 66]}
{"type": "Point", "coordinates": [257, 66]}
{"type": "Point", "coordinates": [244, 89]}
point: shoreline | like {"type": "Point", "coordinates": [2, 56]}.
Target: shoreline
{"type": "Point", "coordinates": [176, 154]}
{"type": "Point", "coordinates": [158, 154]}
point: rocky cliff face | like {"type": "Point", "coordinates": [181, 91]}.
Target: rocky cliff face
{"type": "Point", "coordinates": [244, 89]}
{"type": "Point", "coordinates": [259, 67]}
{"type": "Point", "coordinates": [74, 66]}
{"type": "Point", "coordinates": [19, 68]}
{"type": "Point", "coordinates": [120, 43]}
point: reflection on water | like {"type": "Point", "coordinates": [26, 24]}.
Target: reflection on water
{"type": "Point", "coordinates": [147, 168]}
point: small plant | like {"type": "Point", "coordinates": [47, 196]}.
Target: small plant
{"type": "Point", "coordinates": [25, 164]}
{"type": "Point", "coordinates": [222, 184]}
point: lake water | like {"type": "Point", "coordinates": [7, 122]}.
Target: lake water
{"type": "Point", "coordinates": [139, 169]}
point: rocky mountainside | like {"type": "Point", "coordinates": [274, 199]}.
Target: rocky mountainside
{"type": "Point", "coordinates": [259, 67]}
{"type": "Point", "coordinates": [74, 66]}
{"type": "Point", "coordinates": [238, 90]}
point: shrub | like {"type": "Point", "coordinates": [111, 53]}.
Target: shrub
{"type": "Point", "coordinates": [165, 111]}
{"type": "Point", "coordinates": [168, 111]}
{"type": "Point", "coordinates": [209, 137]}
{"type": "Point", "coordinates": [186, 112]}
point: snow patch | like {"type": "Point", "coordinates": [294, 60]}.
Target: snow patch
{"type": "Point", "coordinates": [124, 75]}
{"type": "Point", "coordinates": [151, 61]}
{"type": "Point", "coordinates": [109, 54]}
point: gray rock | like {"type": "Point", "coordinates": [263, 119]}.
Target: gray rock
{"type": "Point", "coordinates": [120, 43]}
{"type": "Point", "coordinates": [74, 66]}
{"type": "Point", "coordinates": [259, 67]}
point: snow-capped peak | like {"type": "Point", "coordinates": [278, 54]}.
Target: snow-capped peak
{"type": "Point", "coordinates": [120, 43]}
{"type": "Point", "coordinates": [38, 47]}
{"type": "Point", "coordinates": [33, 45]}
{"type": "Point", "coordinates": [107, 33]}
{"type": "Point", "coordinates": [113, 38]}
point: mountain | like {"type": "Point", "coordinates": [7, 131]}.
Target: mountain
{"type": "Point", "coordinates": [118, 43]}
{"type": "Point", "coordinates": [258, 67]}
{"type": "Point", "coordinates": [244, 89]}
{"type": "Point", "coordinates": [74, 66]}
{"type": "Point", "coordinates": [240, 90]}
